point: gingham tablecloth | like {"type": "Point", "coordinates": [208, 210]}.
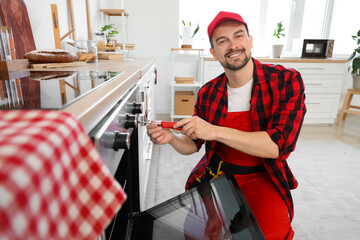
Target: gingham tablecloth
{"type": "Point", "coordinates": [53, 183]}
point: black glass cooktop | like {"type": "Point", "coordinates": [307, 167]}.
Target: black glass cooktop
{"type": "Point", "coordinates": [48, 89]}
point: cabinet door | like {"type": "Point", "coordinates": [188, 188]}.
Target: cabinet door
{"type": "Point", "coordinates": [322, 83]}
{"type": "Point", "coordinates": [147, 85]}
{"type": "Point", "coordinates": [321, 108]}
{"type": "Point", "coordinates": [317, 68]}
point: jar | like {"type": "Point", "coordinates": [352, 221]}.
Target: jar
{"type": "Point", "coordinates": [92, 55]}
{"type": "Point", "coordinates": [82, 50]}
{"type": "Point", "coordinates": [86, 51]}
{"type": "Point", "coordinates": [100, 40]}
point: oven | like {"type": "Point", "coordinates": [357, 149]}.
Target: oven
{"type": "Point", "coordinates": [117, 140]}
{"type": "Point", "coordinates": [123, 145]}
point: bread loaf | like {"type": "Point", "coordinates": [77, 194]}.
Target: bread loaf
{"type": "Point", "coordinates": [50, 56]}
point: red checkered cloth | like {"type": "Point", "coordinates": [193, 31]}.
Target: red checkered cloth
{"type": "Point", "coordinates": [53, 183]}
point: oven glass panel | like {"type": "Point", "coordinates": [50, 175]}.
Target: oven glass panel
{"type": "Point", "coordinates": [186, 216]}
{"type": "Point", "coordinates": [49, 89]}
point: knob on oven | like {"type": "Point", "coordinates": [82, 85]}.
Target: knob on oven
{"type": "Point", "coordinates": [130, 121]}
{"type": "Point", "coordinates": [115, 140]}
{"type": "Point", "coordinates": [135, 108]}
{"type": "Point", "coordinates": [121, 140]}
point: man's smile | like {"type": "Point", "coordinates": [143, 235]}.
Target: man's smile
{"type": "Point", "coordinates": [235, 54]}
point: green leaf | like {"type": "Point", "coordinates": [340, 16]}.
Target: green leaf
{"type": "Point", "coordinates": [183, 22]}
{"type": "Point", "coordinates": [190, 23]}
{"type": "Point", "coordinates": [196, 30]}
{"type": "Point", "coordinates": [358, 33]}
{"type": "Point", "coordinates": [351, 56]}
{"type": "Point", "coordinates": [355, 65]}
{"type": "Point", "coordinates": [180, 36]}
{"type": "Point", "coordinates": [278, 30]}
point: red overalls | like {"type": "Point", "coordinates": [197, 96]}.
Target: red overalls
{"type": "Point", "coordinates": [265, 202]}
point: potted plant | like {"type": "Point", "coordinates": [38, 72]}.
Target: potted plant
{"type": "Point", "coordinates": [355, 65]}
{"type": "Point", "coordinates": [278, 33]}
{"type": "Point", "coordinates": [110, 31]}
{"type": "Point", "coordinates": [187, 35]}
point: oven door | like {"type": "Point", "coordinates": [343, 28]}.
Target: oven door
{"type": "Point", "coordinates": [186, 215]}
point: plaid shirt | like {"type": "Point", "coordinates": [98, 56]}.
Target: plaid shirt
{"type": "Point", "coordinates": [277, 107]}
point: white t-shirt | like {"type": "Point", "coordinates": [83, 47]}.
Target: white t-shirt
{"type": "Point", "coordinates": [239, 98]}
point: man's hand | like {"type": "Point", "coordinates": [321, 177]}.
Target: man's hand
{"type": "Point", "coordinates": [159, 135]}
{"type": "Point", "coordinates": [197, 128]}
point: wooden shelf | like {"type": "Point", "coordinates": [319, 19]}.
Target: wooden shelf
{"type": "Point", "coordinates": [128, 46]}
{"type": "Point", "coordinates": [114, 12]}
{"type": "Point", "coordinates": [195, 84]}
{"type": "Point", "coordinates": [187, 49]}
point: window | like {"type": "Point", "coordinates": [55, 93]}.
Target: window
{"type": "Point", "coordinates": [313, 18]}
{"type": "Point", "coordinates": [261, 21]}
{"type": "Point", "coordinates": [345, 23]}
{"type": "Point", "coordinates": [320, 19]}
{"type": "Point", "coordinates": [203, 11]}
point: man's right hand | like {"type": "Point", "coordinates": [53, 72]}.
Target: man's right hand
{"type": "Point", "coordinates": [159, 135]}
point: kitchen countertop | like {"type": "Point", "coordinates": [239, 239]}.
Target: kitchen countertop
{"type": "Point", "coordinates": [91, 108]}
{"type": "Point", "coordinates": [294, 60]}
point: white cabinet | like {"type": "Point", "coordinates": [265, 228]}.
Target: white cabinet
{"type": "Point", "coordinates": [211, 69]}
{"type": "Point", "coordinates": [185, 63]}
{"type": "Point", "coordinates": [323, 84]}
{"type": "Point", "coordinates": [147, 86]}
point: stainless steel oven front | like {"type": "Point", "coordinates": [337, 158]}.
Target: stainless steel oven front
{"type": "Point", "coordinates": [116, 139]}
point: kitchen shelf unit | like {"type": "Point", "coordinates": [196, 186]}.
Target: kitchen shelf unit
{"type": "Point", "coordinates": [185, 62]}
{"type": "Point", "coordinates": [107, 13]}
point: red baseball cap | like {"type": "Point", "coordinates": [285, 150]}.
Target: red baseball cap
{"type": "Point", "coordinates": [222, 17]}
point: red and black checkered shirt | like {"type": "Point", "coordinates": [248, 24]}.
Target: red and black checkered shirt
{"type": "Point", "coordinates": [277, 106]}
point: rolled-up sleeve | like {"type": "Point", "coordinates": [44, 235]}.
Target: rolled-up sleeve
{"type": "Point", "coordinates": [287, 120]}
{"type": "Point", "coordinates": [197, 112]}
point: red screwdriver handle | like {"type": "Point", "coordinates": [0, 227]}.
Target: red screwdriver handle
{"type": "Point", "coordinates": [169, 125]}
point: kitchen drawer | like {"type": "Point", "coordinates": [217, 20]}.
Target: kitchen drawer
{"type": "Point", "coordinates": [322, 83]}
{"type": "Point", "coordinates": [322, 105]}
{"type": "Point", "coordinates": [316, 68]}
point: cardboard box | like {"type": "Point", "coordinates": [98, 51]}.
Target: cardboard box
{"type": "Point", "coordinates": [184, 103]}
{"type": "Point", "coordinates": [184, 80]}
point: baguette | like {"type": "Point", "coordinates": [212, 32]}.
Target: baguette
{"type": "Point", "coordinates": [50, 56]}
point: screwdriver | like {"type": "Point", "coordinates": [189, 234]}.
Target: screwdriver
{"type": "Point", "coordinates": [162, 124]}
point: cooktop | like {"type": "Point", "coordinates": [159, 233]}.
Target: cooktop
{"type": "Point", "coordinates": [48, 89]}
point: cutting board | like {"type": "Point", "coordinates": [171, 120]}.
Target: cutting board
{"type": "Point", "coordinates": [110, 56]}
{"type": "Point", "coordinates": [56, 65]}
{"type": "Point", "coordinates": [13, 13]}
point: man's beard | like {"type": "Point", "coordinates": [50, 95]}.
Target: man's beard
{"type": "Point", "coordinates": [237, 65]}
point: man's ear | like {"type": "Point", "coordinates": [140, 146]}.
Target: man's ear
{"type": "Point", "coordinates": [212, 51]}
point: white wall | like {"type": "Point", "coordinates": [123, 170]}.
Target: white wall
{"type": "Point", "coordinates": [39, 12]}
{"type": "Point", "coordinates": [153, 28]}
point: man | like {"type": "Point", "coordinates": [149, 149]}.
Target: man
{"type": "Point", "coordinates": [250, 118]}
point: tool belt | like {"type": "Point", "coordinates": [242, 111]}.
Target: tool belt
{"type": "Point", "coordinates": [217, 167]}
